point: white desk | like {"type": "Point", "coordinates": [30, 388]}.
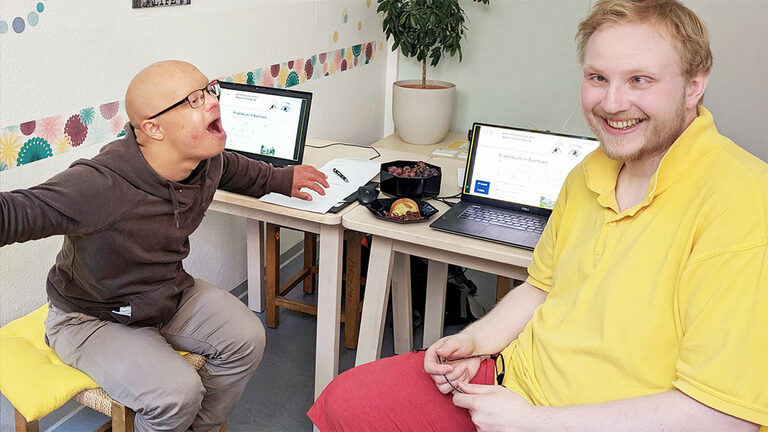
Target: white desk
{"type": "Point", "coordinates": [393, 243]}
{"type": "Point", "coordinates": [330, 231]}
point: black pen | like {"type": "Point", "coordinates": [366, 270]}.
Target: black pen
{"type": "Point", "coordinates": [338, 173]}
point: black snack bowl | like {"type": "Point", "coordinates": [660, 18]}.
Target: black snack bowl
{"type": "Point", "coordinates": [409, 187]}
{"type": "Point", "coordinates": [380, 208]}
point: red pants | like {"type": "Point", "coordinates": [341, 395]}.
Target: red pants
{"type": "Point", "coordinates": [391, 394]}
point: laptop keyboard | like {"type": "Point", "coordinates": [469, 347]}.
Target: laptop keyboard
{"type": "Point", "coordinates": [499, 217]}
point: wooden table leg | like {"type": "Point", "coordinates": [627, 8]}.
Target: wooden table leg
{"type": "Point", "coordinates": [352, 295]}
{"type": "Point", "coordinates": [310, 254]}
{"type": "Point", "coordinates": [375, 301]}
{"type": "Point", "coordinates": [272, 285]}
{"type": "Point", "coordinates": [328, 305]}
{"type": "Point", "coordinates": [255, 257]}
{"type": "Point", "coordinates": [402, 309]}
{"type": "Point", "coordinates": [434, 310]}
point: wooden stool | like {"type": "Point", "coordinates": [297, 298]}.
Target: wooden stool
{"type": "Point", "coordinates": [276, 293]}
{"type": "Point", "coordinates": [25, 352]}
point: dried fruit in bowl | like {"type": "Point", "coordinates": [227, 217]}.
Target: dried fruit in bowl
{"type": "Point", "coordinates": [421, 170]}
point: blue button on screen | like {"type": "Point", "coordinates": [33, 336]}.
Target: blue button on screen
{"type": "Point", "coordinates": [481, 187]}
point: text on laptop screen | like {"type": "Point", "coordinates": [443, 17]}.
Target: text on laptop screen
{"type": "Point", "coordinates": [265, 122]}
{"type": "Point", "coordinates": [521, 166]}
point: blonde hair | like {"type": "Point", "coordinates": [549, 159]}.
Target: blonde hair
{"type": "Point", "coordinates": [689, 36]}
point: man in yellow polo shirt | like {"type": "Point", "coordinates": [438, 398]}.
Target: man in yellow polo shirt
{"type": "Point", "coordinates": [646, 305]}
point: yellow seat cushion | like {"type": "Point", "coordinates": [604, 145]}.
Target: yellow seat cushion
{"type": "Point", "coordinates": [32, 376]}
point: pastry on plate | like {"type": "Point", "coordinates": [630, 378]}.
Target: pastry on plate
{"type": "Point", "coordinates": [404, 209]}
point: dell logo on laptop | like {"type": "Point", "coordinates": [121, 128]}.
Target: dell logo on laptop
{"type": "Point", "coordinates": [524, 208]}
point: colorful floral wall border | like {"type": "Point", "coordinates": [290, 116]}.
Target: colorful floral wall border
{"type": "Point", "coordinates": [39, 139]}
{"type": "Point", "coordinates": [298, 71]}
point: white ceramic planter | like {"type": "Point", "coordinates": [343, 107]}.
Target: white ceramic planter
{"type": "Point", "coordinates": [423, 116]}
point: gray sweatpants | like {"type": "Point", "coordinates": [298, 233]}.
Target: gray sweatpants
{"type": "Point", "coordinates": [140, 368]}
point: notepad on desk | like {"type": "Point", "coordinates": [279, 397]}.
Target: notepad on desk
{"type": "Point", "coordinates": [456, 148]}
{"type": "Point", "coordinates": [357, 172]}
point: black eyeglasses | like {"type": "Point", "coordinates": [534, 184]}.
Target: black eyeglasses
{"type": "Point", "coordinates": [196, 98]}
{"type": "Point", "coordinates": [494, 357]}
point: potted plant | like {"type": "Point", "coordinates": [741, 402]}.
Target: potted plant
{"type": "Point", "coordinates": [422, 110]}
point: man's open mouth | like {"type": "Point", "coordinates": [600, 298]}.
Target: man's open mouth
{"type": "Point", "coordinates": [215, 127]}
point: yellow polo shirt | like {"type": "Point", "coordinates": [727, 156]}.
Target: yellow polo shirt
{"type": "Point", "coordinates": [671, 293]}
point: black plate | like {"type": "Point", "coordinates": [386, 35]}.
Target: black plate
{"type": "Point", "coordinates": [379, 208]}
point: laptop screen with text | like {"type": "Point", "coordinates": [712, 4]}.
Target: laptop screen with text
{"type": "Point", "coordinates": [522, 166]}
{"type": "Point", "coordinates": [265, 123]}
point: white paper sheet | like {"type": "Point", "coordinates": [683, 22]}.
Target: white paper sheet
{"type": "Point", "coordinates": [357, 171]}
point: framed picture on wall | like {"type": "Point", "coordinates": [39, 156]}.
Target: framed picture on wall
{"type": "Point", "coordinates": [140, 4]}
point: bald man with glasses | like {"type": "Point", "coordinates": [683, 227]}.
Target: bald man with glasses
{"type": "Point", "coordinates": [120, 301]}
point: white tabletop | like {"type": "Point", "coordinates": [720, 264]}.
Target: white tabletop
{"type": "Point", "coordinates": [421, 240]}
{"type": "Point", "coordinates": [429, 243]}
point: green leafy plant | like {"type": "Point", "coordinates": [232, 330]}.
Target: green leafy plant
{"type": "Point", "coordinates": [425, 28]}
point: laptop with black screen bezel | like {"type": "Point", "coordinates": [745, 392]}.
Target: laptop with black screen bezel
{"type": "Point", "coordinates": [265, 123]}
{"type": "Point", "coordinates": [517, 173]}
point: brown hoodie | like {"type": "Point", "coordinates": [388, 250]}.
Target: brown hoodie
{"type": "Point", "coordinates": [126, 229]}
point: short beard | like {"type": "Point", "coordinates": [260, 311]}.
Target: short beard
{"type": "Point", "coordinates": [658, 139]}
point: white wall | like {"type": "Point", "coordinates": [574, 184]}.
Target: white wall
{"type": "Point", "coordinates": [520, 67]}
{"type": "Point", "coordinates": [738, 90]}
{"type": "Point", "coordinates": [83, 54]}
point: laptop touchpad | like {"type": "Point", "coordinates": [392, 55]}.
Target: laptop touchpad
{"type": "Point", "coordinates": [501, 233]}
